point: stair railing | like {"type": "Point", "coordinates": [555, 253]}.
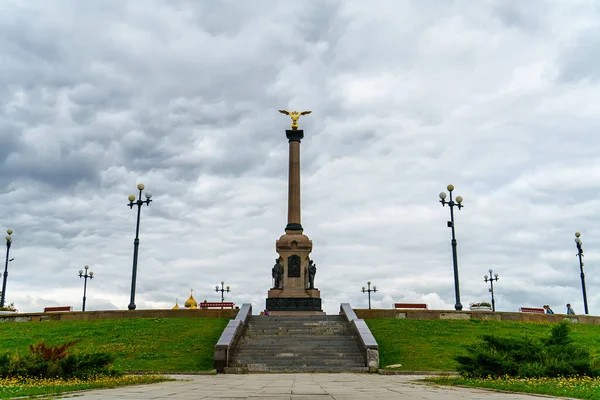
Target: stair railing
{"type": "Point", "coordinates": [366, 340]}
{"type": "Point", "coordinates": [231, 334]}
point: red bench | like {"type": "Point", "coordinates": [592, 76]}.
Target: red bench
{"type": "Point", "coordinates": [535, 310]}
{"type": "Point", "coordinates": [205, 305]}
{"type": "Point", "coordinates": [58, 309]}
{"type": "Point", "coordinates": [410, 306]}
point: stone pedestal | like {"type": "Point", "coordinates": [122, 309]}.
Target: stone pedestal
{"type": "Point", "coordinates": [295, 295]}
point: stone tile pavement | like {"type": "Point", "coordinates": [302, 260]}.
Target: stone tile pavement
{"type": "Point", "coordinates": [294, 387]}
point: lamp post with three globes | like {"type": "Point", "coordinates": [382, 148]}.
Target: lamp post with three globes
{"type": "Point", "coordinates": [222, 290]}
{"type": "Point", "coordinates": [85, 278]}
{"type": "Point", "coordinates": [452, 204]}
{"type": "Point", "coordinates": [136, 241]}
{"type": "Point", "coordinates": [491, 281]}
{"type": "Point", "coordinates": [578, 242]}
{"type": "Point", "coordinates": [369, 290]}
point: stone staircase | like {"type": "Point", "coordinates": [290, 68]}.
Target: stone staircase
{"type": "Point", "coordinates": [307, 343]}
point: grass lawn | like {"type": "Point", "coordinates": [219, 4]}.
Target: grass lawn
{"type": "Point", "coordinates": [575, 387]}
{"type": "Point", "coordinates": [139, 344]}
{"type": "Point", "coordinates": [421, 345]}
{"type": "Point", "coordinates": [12, 387]}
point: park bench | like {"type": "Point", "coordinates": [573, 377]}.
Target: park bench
{"type": "Point", "coordinates": [536, 310]}
{"type": "Point", "coordinates": [58, 309]}
{"type": "Point", "coordinates": [205, 305]}
{"type": "Point", "coordinates": [410, 306]}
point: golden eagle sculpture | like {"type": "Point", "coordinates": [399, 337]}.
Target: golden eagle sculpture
{"type": "Point", "coordinates": [294, 115]}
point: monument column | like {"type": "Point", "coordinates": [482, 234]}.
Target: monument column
{"type": "Point", "coordinates": [294, 271]}
{"type": "Point", "coordinates": [294, 222]}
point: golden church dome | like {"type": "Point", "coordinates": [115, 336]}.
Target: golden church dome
{"type": "Point", "coordinates": [191, 302]}
{"type": "Point", "coordinates": [176, 307]}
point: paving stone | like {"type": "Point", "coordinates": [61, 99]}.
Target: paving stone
{"type": "Point", "coordinates": [339, 386]}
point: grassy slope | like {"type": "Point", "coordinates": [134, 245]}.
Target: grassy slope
{"type": "Point", "coordinates": [432, 345]}
{"type": "Point", "coordinates": [149, 344]}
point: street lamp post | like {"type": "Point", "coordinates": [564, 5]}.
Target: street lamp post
{"type": "Point", "coordinates": [8, 244]}
{"type": "Point", "coordinates": [222, 290]}
{"type": "Point", "coordinates": [369, 290]}
{"type": "Point", "coordinates": [491, 281]}
{"type": "Point", "coordinates": [458, 204]}
{"type": "Point", "coordinates": [85, 278]}
{"type": "Point", "coordinates": [578, 242]}
{"type": "Point", "coordinates": [136, 241]}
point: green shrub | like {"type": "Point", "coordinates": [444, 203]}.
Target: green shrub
{"type": "Point", "coordinates": [87, 365]}
{"type": "Point", "coordinates": [527, 358]}
{"type": "Point", "coordinates": [44, 361]}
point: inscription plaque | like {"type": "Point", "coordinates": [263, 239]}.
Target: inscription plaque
{"type": "Point", "coordinates": [294, 266]}
{"type": "Point", "coordinates": [293, 304]}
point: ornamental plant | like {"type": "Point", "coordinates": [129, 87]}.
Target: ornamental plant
{"type": "Point", "coordinates": [45, 361]}
{"type": "Point", "coordinates": [480, 304]}
{"type": "Point", "coordinates": [524, 357]}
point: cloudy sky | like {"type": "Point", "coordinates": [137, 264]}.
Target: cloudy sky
{"type": "Point", "coordinates": [499, 98]}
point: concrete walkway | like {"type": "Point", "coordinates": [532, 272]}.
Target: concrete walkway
{"type": "Point", "coordinates": [296, 387]}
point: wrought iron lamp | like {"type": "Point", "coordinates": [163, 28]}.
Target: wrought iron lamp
{"type": "Point", "coordinates": [451, 203]}
{"type": "Point", "coordinates": [85, 277]}
{"type": "Point", "coordinates": [369, 290]}
{"type": "Point", "coordinates": [136, 241]}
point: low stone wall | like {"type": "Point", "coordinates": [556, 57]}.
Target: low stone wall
{"type": "Point", "coordinates": [115, 314]}
{"type": "Point", "coordinates": [498, 316]}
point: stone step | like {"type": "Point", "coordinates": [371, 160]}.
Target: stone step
{"type": "Point", "coordinates": [291, 347]}
{"type": "Point", "coordinates": [291, 344]}
{"type": "Point", "coordinates": [244, 361]}
{"type": "Point", "coordinates": [303, 328]}
{"type": "Point", "coordinates": [298, 333]}
{"type": "Point", "coordinates": [297, 347]}
{"type": "Point", "coordinates": [297, 318]}
{"type": "Point", "coordinates": [299, 322]}
{"type": "Point", "coordinates": [317, 360]}
{"type": "Point", "coordinates": [299, 356]}
{"type": "Point", "coordinates": [262, 368]}
{"type": "Point", "coordinates": [295, 355]}
{"type": "Point", "coordinates": [291, 331]}
{"type": "Point", "coordinates": [298, 339]}
{"type": "Point", "coordinates": [308, 328]}
{"type": "Point", "coordinates": [341, 339]}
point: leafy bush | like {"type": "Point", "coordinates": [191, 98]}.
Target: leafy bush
{"type": "Point", "coordinates": [85, 366]}
{"type": "Point", "coordinates": [527, 358]}
{"type": "Point", "coordinates": [44, 361]}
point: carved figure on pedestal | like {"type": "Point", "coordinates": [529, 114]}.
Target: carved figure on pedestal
{"type": "Point", "coordinates": [277, 273]}
{"type": "Point", "coordinates": [312, 270]}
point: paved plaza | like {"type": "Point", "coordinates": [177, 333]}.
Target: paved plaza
{"type": "Point", "coordinates": [296, 387]}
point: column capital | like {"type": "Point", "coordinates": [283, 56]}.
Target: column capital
{"type": "Point", "coordinates": [294, 135]}
{"type": "Point", "coordinates": [294, 227]}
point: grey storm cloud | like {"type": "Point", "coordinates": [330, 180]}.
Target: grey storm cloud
{"type": "Point", "coordinates": [407, 96]}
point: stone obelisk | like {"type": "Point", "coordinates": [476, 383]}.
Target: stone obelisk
{"type": "Point", "coordinates": [293, 290]}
